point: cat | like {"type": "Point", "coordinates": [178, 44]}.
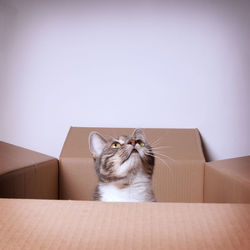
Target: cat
{"type": "Point", "coordinates": [124, 167]}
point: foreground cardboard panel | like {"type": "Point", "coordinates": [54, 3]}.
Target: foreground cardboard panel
{"type": "Point", "coordinates": [27, 174]}
{"type": "Point", "coordinates": [178, 175]}
{"type": "Point", "coordinates": [228, 181]}
{"type": "Point", "coordinates": [42, 224]}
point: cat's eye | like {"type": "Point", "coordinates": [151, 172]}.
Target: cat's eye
{"type": "Point", "coordinates": [141, 143]}
{"type": "Point", "coordinates": [115, 145]}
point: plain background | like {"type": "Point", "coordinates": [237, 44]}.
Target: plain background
{"type": "Point", "coordinates": [167, 64]}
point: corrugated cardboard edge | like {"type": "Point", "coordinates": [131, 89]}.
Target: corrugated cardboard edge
{"type": "Point", "coordinates": [48, 190]}
{"type": "Point", "coordinates": [13, 152]}
{"type": "Point", "coordinates": [40, 224]}
{"type": "Point", "coordinates": [240, 184]}
{"type": "Point", "coordinates": [63, 147]}
{"type": "Point", "coordinates": [200, 147]}
{"type": "Point", "coordinates": [199, 143]}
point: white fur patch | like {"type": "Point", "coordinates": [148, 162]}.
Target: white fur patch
{"type": "Point", "coordinates": [135, 192]}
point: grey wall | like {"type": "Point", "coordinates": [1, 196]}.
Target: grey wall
{"type": "Point", "coordinates": [179, 64]}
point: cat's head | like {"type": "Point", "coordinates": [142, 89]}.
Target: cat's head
{"type": "Point", "coordinates": [118, 157]}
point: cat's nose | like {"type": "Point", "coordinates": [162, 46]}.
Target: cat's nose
{"type": "Point", "coordinates": [132, 142]}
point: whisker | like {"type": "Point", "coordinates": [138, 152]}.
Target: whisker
{"type": "Point", "coordinates": [163, 161]}
{"type": "Point", "coordinates": [155, 142]}
{"type": "Point", "coordinates": [162, 147]}
{"type": "Point", "coordinates": [110, 136]}
{"type": "Point", "coordinates": [158, 153]}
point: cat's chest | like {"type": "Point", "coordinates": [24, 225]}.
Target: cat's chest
{"type": "Point", "coordinates": [129, 194]}
{"type": "Point", "coordinates": [135, 192]}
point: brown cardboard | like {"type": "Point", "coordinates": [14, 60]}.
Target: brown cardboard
{"type": "Point", "coordinates": [42, 224]}
{"type": "Point", "coordinates": [228, 181]}
{"type": "Point", "coordinates": [177, 177]}
{"type": "Point", "coordinates": [27, 174]}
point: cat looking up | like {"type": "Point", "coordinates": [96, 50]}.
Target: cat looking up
{"type": "Point", "coordinates": [124, 167]}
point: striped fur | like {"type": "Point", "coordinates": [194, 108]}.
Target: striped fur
{"type": "Point", "coordinates": [124, 172]}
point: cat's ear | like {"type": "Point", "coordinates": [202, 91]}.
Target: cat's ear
{"type": "Point", "coordinates": [96, 144]}
{"type": "Point", "coordinates": [139, 134]}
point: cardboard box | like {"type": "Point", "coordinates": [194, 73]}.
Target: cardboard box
{"type": "Point", "coordinates": [178, 176]}
{"type": "Point", "coordinates": [228, 181]}
{"type": "Point", "coordinates": [60, 224]}
{"type": "Point", "coordinates": [43, 224]}
{"type": "Point", "coordinates": [27, 174]}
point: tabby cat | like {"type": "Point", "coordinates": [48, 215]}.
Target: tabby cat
{"type": "Point", "coordinates": [124, 166]}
